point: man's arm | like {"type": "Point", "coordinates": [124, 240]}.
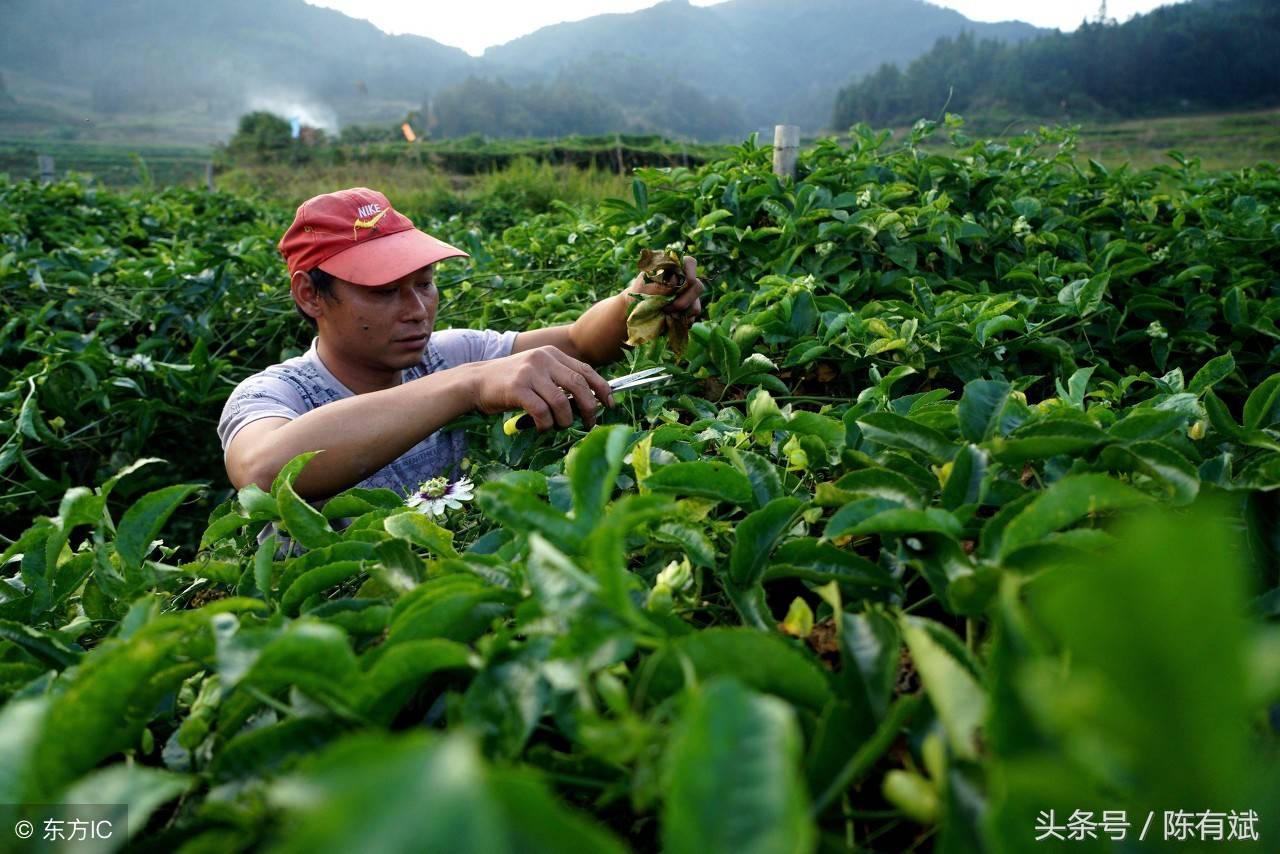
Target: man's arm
{"type": "Point", "coordinates": [361, 434]}
{"type": "Point", "coordinates": [597, 336]}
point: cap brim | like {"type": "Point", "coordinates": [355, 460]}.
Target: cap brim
{"type": "Point", "coordinates": [385, 259]}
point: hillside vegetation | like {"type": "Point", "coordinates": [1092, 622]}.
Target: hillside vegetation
{"type": "Point", "coordinates": [1187, 57]}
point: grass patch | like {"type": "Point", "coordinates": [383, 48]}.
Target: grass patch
{"type": "Point", "coordinates": [525, 185]}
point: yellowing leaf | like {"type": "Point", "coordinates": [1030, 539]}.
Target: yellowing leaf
{"type": "Point", "coordinates": [799, 621]}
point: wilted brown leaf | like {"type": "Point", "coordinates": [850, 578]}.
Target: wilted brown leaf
{"type": "Point", "coordinates": [646, 320]}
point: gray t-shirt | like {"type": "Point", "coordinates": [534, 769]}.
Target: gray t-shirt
{"type": "Point", "coordinates": [303, 383]}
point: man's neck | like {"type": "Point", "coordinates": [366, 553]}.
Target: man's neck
{"type": "Point", "coordinates": [360, 378]}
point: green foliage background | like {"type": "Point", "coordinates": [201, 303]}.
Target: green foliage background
{"type": "Point", "coordinates": [960, 509]}
{"type": "Point", "coordinates": [1211, 55]}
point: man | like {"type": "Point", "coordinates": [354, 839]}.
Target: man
{"type": "Point", "coordinates": [379, 384]}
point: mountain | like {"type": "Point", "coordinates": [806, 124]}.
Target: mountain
{"type": "Point", "coordinates": [699, 71]}
{"type": "Point", "coordinates": [781, 60]}
{"type": "Point", "coordinates": [221, 58]}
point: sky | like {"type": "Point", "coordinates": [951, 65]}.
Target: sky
{"type": "Point", "coordinates": [474, 25]}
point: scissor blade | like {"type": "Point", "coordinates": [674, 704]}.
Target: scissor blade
{"type": "Point", "coordinates": [642, 381]}
{"type": "Point", "coordinates": [623, 381]}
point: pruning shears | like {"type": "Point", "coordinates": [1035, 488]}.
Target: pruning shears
{"type": "Point", "coordinates": [649, 376]}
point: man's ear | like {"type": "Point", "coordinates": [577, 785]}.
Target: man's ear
{"type": "Point", "coordinates": [305, 295]}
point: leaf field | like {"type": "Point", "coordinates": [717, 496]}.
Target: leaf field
{"type": "Point", "coordinates": [958, 520]}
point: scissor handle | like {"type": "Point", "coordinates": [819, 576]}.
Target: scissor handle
{"type": "Point", "coordinates": [523, 420]}
{"type": "Point", "coordinates": [516, 423]}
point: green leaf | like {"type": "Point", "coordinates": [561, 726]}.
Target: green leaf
{"type": "Point", "coordinates": [988, 329]}
{"type": "Point", "coordinates": [356, 501]}
{"type": "Point", "coordinates": [592, 466]}
{"type": "Point", "coordinates": [725, 354]}
{"type": "Point", "coordinates": [821, 562]}
{"type": "Point", "coordinates": [766, 484]}
{"type": "Point", "coordinates": [870, 645]}
{"type": "Point", "coordinates": [1158, 621]}
{"type": "Point", "coordinates": [732, 778]}
{"type": "Point", "coordinates": [44, 647]}
{"type": "Point", "coordinates": [402, 670]}
{"type": "Point", "coordinates": [1214, 371]}
{"type": "Point", "coordinates": [1064, 503]}
{"type": "Point", "coordinates": [756, 536]}
{"type": "Point", "coordinates": [143, 520]}
{"type": "Point", "coordinates": [967, 480]}
{"type": "Point", "coordinates": [1077, 386]}
{"type": "Point", "coordinates": [1220, 416]}
{"type": "Point", "coordinates": [421, 531]}
{"type": "Point", "coordinates": [144, 789]}
{"type": "Point", "coordinates": [1084, 296]}
{"type": "Point", "coordinates": [763, 662]}
{"type": "Point", "coordinates": [895, 431]}
{"type": "Point", "coordinates": [103, 709]}
{"type": "Point", "coordinates": [258, 503]}
{"type": "Point", "coordinates": [304, 524]}
{"type": "Point", "coordinates": [519, 510]}
{"type": "Point", "coordinates": [861, 763]}
{"type": "Point", "coordinates": [854, 513]}
{"type": "Point", "coordinates": [223, 526]}
{"type": "Point", "coordinates": [961, 703]}
{"type": "Point", "coordinates": [538, 823]}
{"type": "Point", "coordinates": [20, 725]}
{"type": "Point", "coordinates": [1046, 439]}
{"type": "Point", "coordinates": [1262, 409]}
{"type": "Point", "coordinates": [714, 217]}
{"type": "Point", "coordinates": [899, 521]}
{"type": "Point", "coordinates": [1146, 423]}
{"type": "Point", "coordinates": [315, 581]}
{"type": "Point", "coordinates": [641, 194]}
{"type": "Point", "coordinates": [110, 483]}
{"type": "Point", "coordinates": [980, 408]}
{"type": "Point", "coordinates": [704, 479]}
{"type": "Point", "coordinates": [366, 793]}
{"type": "Point", "coordinates": [881, 483]}
{"type": "Point", "coordinates": [829, 430]}
{"type": "Point", "coordinates": [32, 424]}
{"type": "Point", "coordinates": [264, 566]}
{"type": "Point", "coordinates": [313, 657]}
{"type": "Point", "coordinates": [268, 749]}
{"type": "Point", "coordinates": [289, 473]}
{"type": "Point", "coordinates": [693, 541]}
{"type": "Point", "coordinates": [1161, 462]}
{"type": "Point", "coordinates": [453, 607]}
{"type": "Point", "coordinates": [79, 506]}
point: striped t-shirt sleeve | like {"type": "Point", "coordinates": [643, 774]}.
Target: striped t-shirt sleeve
{"type": "Point", "coordinates": [260, 396]}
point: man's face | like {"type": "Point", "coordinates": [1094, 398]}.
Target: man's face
{"type": "Point", "coordinates": [383, 327]}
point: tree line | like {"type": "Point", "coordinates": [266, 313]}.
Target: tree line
{"type": "Point", "coordinates": [1196, 56]}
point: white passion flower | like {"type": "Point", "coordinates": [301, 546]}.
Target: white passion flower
{"type": "Point", "coordinates": [433, 496]}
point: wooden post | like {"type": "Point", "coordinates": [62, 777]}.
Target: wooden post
{"type": "Point", "coordinates": [786, 144]}
{"type": "Point", "coordinates": [617, 150]}
{"type": "Point", "coordinates": [208, 176]}
{"type": "Point", "coordinates": [47, 175]}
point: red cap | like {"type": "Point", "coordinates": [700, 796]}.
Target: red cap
{"type": "Point", "coordinates": [356, 235]}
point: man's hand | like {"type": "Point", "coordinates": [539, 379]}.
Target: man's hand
{"type": "Point", "coordinates": [598, 335]}
{"type": "Point", "coordinates": [686, 302]}
{"type": "Point", "coordinates": [536, 381]}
